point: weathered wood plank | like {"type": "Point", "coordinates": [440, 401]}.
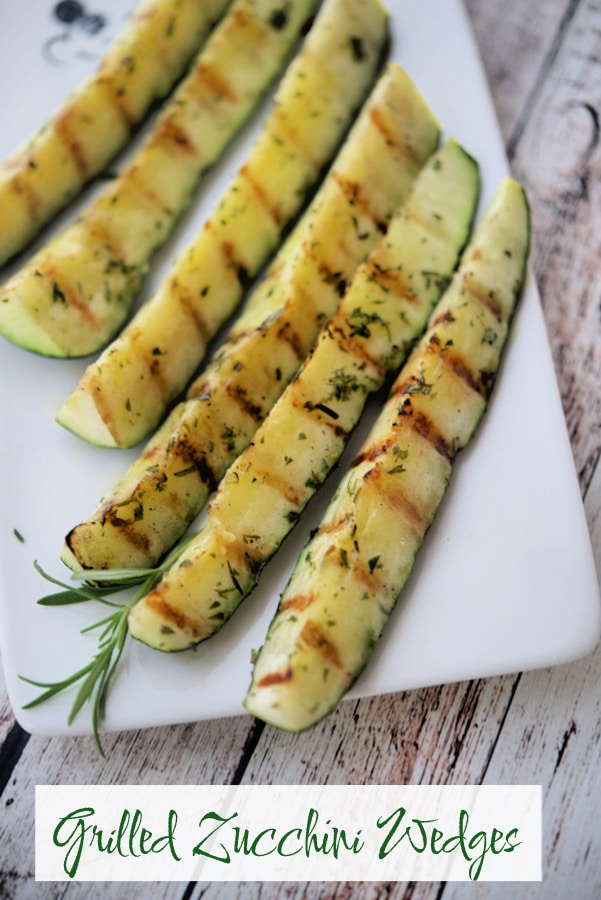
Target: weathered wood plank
{"type": "Point", "coordinates": [207, 753]}
{"type": "Point", "coordinates": [516, 42]}
{"type": "Point", "coordinates": [407, 738]}
{"type": "Point", "coordinates": [560, 749]}
{"type": "Point", "coordinates": [558, 156]}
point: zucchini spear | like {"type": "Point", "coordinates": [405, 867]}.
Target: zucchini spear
{"type": "Point", "coordinates": [76, 292]}
{"type": "Point", "coordinates": [96, 121]}
{"type": "Point", "coordinates": [124, 395]}
{"type": "Point", "coordinates": [167, 486]}
{"type": "Point", "coordinates": [348, 577]}
{"type": "Point", "coordinates": [263, 493]}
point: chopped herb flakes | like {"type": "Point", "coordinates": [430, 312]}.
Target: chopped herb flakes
{"type": "Point", "coordinates": [344, 384]}
{"type": "Point", "coordinates": [357, 48]}
{"type": "Point", "coordinates": [374, 563]}
{"type": "Point", "coordinates": [57, 295]}
{"type": "Point", "coordinates": [278, 19]}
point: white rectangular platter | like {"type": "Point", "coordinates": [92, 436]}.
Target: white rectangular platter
{"type": "Point", "coordinates": [506, 580]}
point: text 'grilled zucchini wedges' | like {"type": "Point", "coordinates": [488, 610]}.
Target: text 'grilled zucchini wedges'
{"type": "Point", "coordinates": [347, 579]}
{"type": "Point", "coordinates": [125, 394]}
{"type": "Point", "coordinates": [167, 486]}
{"type": "Point", "coordinates": [265, 490]}
{"type": "Point", "coordinates": [75, 293]}
{"type": "Point", "coordinates": [96, 121]}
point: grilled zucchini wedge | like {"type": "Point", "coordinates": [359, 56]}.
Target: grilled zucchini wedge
{"type": "Point", "coordinates": [142, 65]}
{"type": "Point", "coordinates": [264, 491]}
{"type": "Point", "coordinates": [76, 292]}
{"type": "Point", "coordinates": [167, 486]}
{"type": "Point", "coordinates": [348, 577]}
{"type": "Point", "coordinates": [124, 395]}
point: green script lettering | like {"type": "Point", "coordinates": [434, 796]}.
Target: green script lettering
{"type": "Point", "coordinates": [73, 832]}
{"type": "Point", "coordinates": [70, 833]}
{"type": "Point", "coordinates": [221, 821]}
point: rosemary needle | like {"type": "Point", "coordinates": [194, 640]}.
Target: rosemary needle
{"type": "Point", "coordinates": [95, 678]}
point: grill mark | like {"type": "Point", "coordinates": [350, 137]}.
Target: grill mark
{"type": "Point", "coordinates": [298, 602]}
{"type": "Point", "coordinates": [23, 187]}
{"type": "Point", "coordinates": [274, 678]}
{"type": "Point", "coordinates": [358, 351]}
{"type": "Point", "coordinates": [186, 301]}
{"type": "Point", "coordinates": [329, 415]}
{"type": "Point", "coordinates": [191, 456]}
{"type": "Point", "coordinates": [391, 281]}
{"type": "Point", "coordinates": [199, 390]}
{"type": "Point", "coordinates": [486, 297]}
{"type": "Point", "coordinates": [261, 195]}
{"type": "Point", "coordinates": [102, 407]}
{"type": "Point", "coordinates": [422, 424]}
{"type": "Point", "coordinates": [175, 136]}
{"type": "Point", "coordinates": [284, 487]}
{"type": "Point", "coordinates": [332, 277]}
{"type": "Point", "coordinates": [206, 472]}
{"type": "Point", "coordinates": [127, 530]}
{"type": "Point", "coordinates": [259, 37]}
{"type": "Point", "coordinates": [157, 603]}
{"type": "Point", "coordinates": [375, 457]}
{"type": "Point", "coordinates": [314, 637]}
{"type": "Point", "coordinates": [331, 527]}
{"type": "Point", "coordinates": [238, 394]}
{"type": "Point", "coordinates": [145, 190]}
{"type": "Point", "coordinates": [426, 429]}
{"type": "Point", "coordinates": [66, 132]}
{"type": "Point", "coordinates": [460, 368]}
{"type": "Point", "coordinates": [444, 318]}
{"type": "Point", "coordinates": [387, 134]}
{"type": "Point", "coordinates": [219, 86]}
{"type": "Point", "coordinates": [358, 198]}
{"type": "Point", "coordinates": [293, 339]}
{"type": "Point", "coordinates": [370, 455]}
{"type": "Point", "coordinates": [69, 141]}
{"type": "Point", "coordinates": [231, 262]}
{"type": "Point", "coordinates": [98, 228]}
{"type": "Point", "coordinates": [117, 93]}
{"type": "Point", "coordinates": [153, 367]}
{"type": "Point", "coordinates": [431, 226]}
{"type": "Point", "coordinates": [286, 134]}
{"type": "Point", "coordinates": [71, 299]}
{"type": "Point", "coordinates": [349, 188]}
{"type": "Point", "coordinates": [300, 305]}
{"type": "Point", "coordinates": [408, 509]}
{"type": "Point", "coordinates": [362, 570]}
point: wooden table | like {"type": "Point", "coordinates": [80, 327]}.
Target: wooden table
{"type": "Point", "coordinates": [543, 63]}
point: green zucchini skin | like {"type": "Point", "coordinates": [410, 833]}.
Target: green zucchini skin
{"type": "Point", "coordinates": [265, 490]}
{"type": "Point", "coordinates": [167, 486]}
{"type": "Point", "coordinates": [76, 292]}
{"type": "Point", "coordinates": [124, 395]}
{"type": "Point", "coordinates": [351, 572]}
{"type": "Point", "coordinates": [96, 121]}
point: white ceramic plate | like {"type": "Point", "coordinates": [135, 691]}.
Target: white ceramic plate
{"type": "Point", "coordinates": [506, 580]}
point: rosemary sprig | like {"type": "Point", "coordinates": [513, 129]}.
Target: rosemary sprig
{"type": "Point", "coordinates": [96, 677]}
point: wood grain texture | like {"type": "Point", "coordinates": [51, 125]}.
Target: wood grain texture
{"type": "Point", "coordinates": [206, 753]}
{"type": "Point", "coordinates": [542, 60]}
{"type": "Point", "coordinates": [517, 41]}
{"type": "Point", "coordinates": [553, 138]}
